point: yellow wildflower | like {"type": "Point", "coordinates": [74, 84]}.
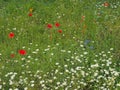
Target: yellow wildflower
{"type": "Point", "coordinates": [31, 9]}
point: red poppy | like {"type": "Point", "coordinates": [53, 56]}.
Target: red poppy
{"type": "Point", "coordinates": [85, 26]}
{"type": "Point", "coordinates": [57, 24]}
{"type": "Point", "coordinates": [49, 25]}
{"type": "Point", "coordinates": [83, 17]}
{"type": "Point", "coordinates": [60, 31]}
{"type": "Point", "coordinates": [106, 4]}
{"type": "Point", "coordinates": [11, 35]}
{"type": "Point", "coordinates": [30, 14]}
{"type": "Point", "coordinates": [22, 52]}
{"type": "Point", "coordinates": [12, 55]}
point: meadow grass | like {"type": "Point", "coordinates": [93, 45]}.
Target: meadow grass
{"type": "Point", "coordinates": [85, 56]}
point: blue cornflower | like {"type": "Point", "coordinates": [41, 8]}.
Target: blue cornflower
{"type": "Point", "coordinates": [86, 42]}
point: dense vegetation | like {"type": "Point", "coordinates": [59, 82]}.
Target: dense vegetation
{"type": "Point", "coordinates": [59, 45]}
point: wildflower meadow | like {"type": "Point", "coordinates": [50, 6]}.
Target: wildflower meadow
{"type": "Point", "coordinates": [59, 44]}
